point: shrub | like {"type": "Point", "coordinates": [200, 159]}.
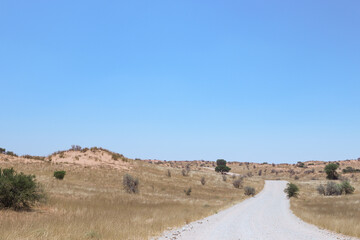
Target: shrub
{"type": "Point", "coordinates": [2, 150]}
{"type": "Point", "coordinates": [333, 189]}
{"type": "Point", "coordinates": [237, 183]}
{"type": "Point", "coordinates": [168, 173]}
{"type": "Point", "coordinates": [260, 172]}
{"type": "Point", "coordinates": [249, 191]}
{"type": "Point", "coordinates": [347, 188]}
{"type": "Point", "coordinates": [18, 191]}
{"type": "Point", "coordinates": [350, 170]}
{"type": "Point", "coordinates": [330, 170]}
{"type": "Point", "coordinates": [11, 153]}
{"type": "Point", "coordinates": [291, 190]}
{"type": "Point", "coordinates": [59, 174]}
{"type": "Point", "coordinates": [300, 164]}
{"type": "Point", "coordinates": [296, 177]}
{"type": "Point", "coordinates": [321, 189]}
{"type": "Point", "coordinates": [75, 148]}
{"type": "Point", "coordinates": [188, 191]}
{"type": "Point", "coordinates": [130, 184]}
{"type": "Point", "coordinates": [224, 178]}
{"type": "Point", "coordinates": [184, 172]}
{"type": "Point", "coordinates": [203, 180]}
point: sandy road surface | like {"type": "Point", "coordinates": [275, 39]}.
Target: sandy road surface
{"type": "Point", "coordinates": [267, 216]}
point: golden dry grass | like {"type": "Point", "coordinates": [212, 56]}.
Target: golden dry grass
{"type": "Point", "coordinates": [337, 213]}
{"type": "Point", "coordinates": [90, 203]}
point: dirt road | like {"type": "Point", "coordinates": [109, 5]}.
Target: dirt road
{"type": "Point", "coordinates": [266, 216]}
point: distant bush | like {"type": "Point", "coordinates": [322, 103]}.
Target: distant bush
{"type": "Point", "coordinates": [224, 178]}
{"type": "Point", "coordinates": [249, 174]}
{"type": "Point", "coordinates": [168, 173]}
{"type": "Point", "coordinates": [18, 191]}
{"type": "Point", "coordinates": [11, 154]}
{"type": "Point", "coordinates": [300, 164]}
{"type": "Point", "coordinates": [291, 190]}
{"type": "Point", "coordinates": [75, 148]}
{"type": "Point", "coordinates": [296, 177]}
{"type": "Point", "coordinates": [330, 170]}
{"type": "Point", "coordinates": [59, 174]}
{"type": "Point", "coordinates": [2, 150]}
{"type": "Point", "coordinates": [238, 183]}
{"type": "Point", "coordinates": [334, 189]}
{"type": "Point", "coordinates": [34, 157]}
{"type": "Point", "coordinates": [350, 170]}
{"type": "Point", "coordinates": [249, 191]}
{"type": "Point", "coordinates": [203, 180]}
{"type": "Point", "coordinates": [130, 184]}
{"type": "Point", "coordinates": [187, 191]}
{"type": "Point", "coordinates": [260, 172]}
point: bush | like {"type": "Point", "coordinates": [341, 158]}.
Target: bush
{"type": "Point", "coordinates": [291, 190]}
{"type": "Point", "coordinates": [347, 188]}
{"type": "Point", "coordinates": [203, 181]}
{"type": "Point", "coordinates": [224, 178]}
{"type": "Point", "coordinates": [18, 191]}
{"type": "Point", "coordinates": [331, 189]}
{"type": "Point", "coordinates": [59, 174]}
{"type": "Point", "coordinates": [237, 183]}
{"type": "Point", "coordinates": [350, 170]}
{"type": "Point", "coordinates": [168, 173]}
{"type": "Point", "coordinates": [249, 191]}
{"type": "Point", "coordinates": [330, 170]}
{"type": "Point", "coordinates": [188, 191]}
{"type": "Point", "coordinates": [131, 184]}
{"type": "Point", "coordinates": [2, 150]}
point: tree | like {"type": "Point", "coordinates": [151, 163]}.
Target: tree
{"type": "Point", "coordinates": [330, 170]}
{"type": "Point", "coordinates": [2, 150]}
{"type": "Point", "coordinates": [221, 166]}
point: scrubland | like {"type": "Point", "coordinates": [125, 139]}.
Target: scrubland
{"type": "Point", "coordinates": [90, 203]}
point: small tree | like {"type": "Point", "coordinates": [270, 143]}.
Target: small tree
{"type": "Point", "coordinates": [330, 170]}
{"type": "Point", "coordinates": [18, 191]}
{"type": "Point", "coordinates": [291, 190]}
{"type": "Point", "coordinates": [59, 174]}
{"type": "Point", "coordinates": [221, 166]}
{"type": "Point", "coordinates": [2, 150]}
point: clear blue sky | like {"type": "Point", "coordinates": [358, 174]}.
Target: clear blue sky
{"type": "Point", "coordinates": [275, 81]}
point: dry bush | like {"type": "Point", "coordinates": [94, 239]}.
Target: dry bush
{"type": "Point", "coordinates": [187, 191]}
{"type": "Point", "coordinates": [202, 180]}
{"type": "Point", "coordinates": [130, 184]}
{"type": "Point", "coordinates": [168, 173]}
{"type": "Point", "coordinates": [224, 178]}
{"type": "Point", "coordinates": [238, 183]}
{"type": "Point", "coordinates": [249, 191]}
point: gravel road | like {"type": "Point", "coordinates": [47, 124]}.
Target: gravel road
{"type": "Point", "coordinates": [267, 216]}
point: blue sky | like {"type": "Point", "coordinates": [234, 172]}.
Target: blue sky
{"type": "Point", "coordinates": [275, 81]}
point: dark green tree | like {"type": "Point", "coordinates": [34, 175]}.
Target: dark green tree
{"type": "Point", "coordinates": [221, 166]}
{"type": "Point", "coordinates": [330, 170]}
{"type": "Point", "coordinates": [18, 191]}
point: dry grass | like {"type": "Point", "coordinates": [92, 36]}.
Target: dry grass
{"type": "Point", "coordinates": [337, 213]}
{"type": "Point", "coordinates": [90, 203]}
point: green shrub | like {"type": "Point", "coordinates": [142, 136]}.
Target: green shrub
{"type": "Point", "coordinates": [131, 184]}
{"type": "Point", "coordinates": [59, 174]}
{"type": "Point", "coordinates": [291, 190]}
{"type": "Point", "coordinates": [347, 188]}
{"type": "Point", "coordinates": [18, 191]}
{"type": "Point", "coordinates": [2, 150]}
{"type": "Point", "coordinates": [330, 170]}
{"type": "Point", "coordinates": [249, 191]}
{"type": "Point", "coordinates": [350, 170]}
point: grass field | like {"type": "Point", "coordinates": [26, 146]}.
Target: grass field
{"type": "Point", "coordinates": [90, 203]}
{"type": "Point", "coordinates": [337, 213]}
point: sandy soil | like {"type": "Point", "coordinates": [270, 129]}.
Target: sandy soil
{"type": "Point", "coordinates": [266, 216]}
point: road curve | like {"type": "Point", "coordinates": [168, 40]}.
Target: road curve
{"type": "Point", "coordinates": [267, 216]}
